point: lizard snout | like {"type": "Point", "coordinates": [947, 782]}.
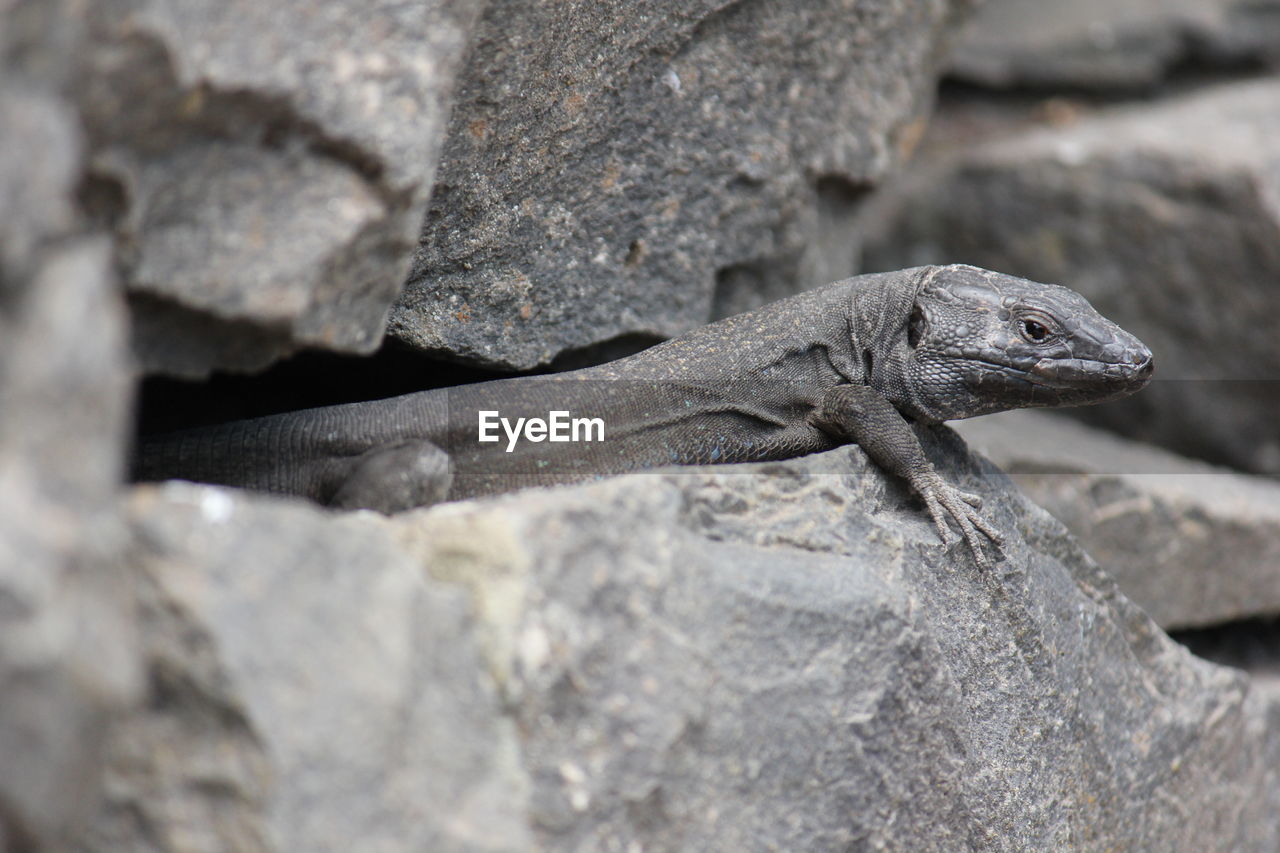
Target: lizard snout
{"type": "Point", "coordinates": [1145, 364]}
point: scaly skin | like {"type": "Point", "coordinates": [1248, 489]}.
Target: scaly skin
{"type": "Point", "coordinates": [852, 361]}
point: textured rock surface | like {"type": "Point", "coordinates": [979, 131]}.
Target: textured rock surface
{"type": "Point", "coordinates": [310, 689]}
{"type": "Point", "coordinates": [775, 657]}
{"type": "Point", "coordinates": [1191, 544]}
{"type": "Point", "coordinates": [66, 639]}
{"type": "Point", "coordinates": [606, 161]}
{"type": "Point", "coordinates": [1111, 43]}
{"type": "Point", "coordinates": [265, 167]}
{"type": "Point", "coordinates": [1168, 219]}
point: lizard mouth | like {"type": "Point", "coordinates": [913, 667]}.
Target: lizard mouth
{"type": "Point", "coordinates": [1078, 372]}
{"type": "Point", "coordinates": [1068, 374]}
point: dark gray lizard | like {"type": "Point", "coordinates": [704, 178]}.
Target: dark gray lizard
{"type": "Point", "coordinates": [852, 361]}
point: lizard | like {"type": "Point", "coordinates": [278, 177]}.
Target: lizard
{"type": "Point", "coordinates": [854, 361]}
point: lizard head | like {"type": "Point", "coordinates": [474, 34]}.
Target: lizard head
{"type": "Point", "coordinates": [980, 342]}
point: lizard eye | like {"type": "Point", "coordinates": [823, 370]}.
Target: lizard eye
{"type": "Point", "coordinates": [1034, 330]}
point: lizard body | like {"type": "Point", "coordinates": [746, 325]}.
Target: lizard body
{"type": "Point", "coordinates": [852, 361]}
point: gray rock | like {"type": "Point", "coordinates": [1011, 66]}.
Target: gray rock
{"type": "Point", "coordinates": [1167, 218]}
{"type": "Point", "coordinates": [67, 647]}
{"type": "Point", "coordinates": [67, 643]}
{"type": "Point", "coordinates": [1102, 44]}
{"type": "Point", "coordinates": [1191, 544]}
{"type": "Point", "coordinates": [762, 657]}
{"type": "Point", "coordinates": [606, 162]}
{"type": "Point", "coordinates": [310, 689]}
{"type": "Point", "coordinates": [265, 167]}
{"type": "Point", "coordinates": [784, 657]}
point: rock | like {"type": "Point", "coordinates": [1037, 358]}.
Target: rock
{"type": "Point", "coordinates": [265, 167]}
{"type": "Point", "coordinates": [716, 659]}
{"type": "Point", "coordinates": [1167, 218]}
{"type": "Point", "coordinates": [1108, 44]}
{"type": "Point", "coordinates": [67, 646]}
{"type": "Point", "coordinates": [616, 168]}
{"type": "Point", "coordinates": [310, 689]}
{"type": "Point", "coordinates": [1191, 544]}
{"type": "Point", "coordinates": [759, 657]}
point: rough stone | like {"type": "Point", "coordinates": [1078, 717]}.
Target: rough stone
{"type": "Point", "coordinates": [607, 161]}
{"type": "Point", "coordinates": [761, 657]}
{"type": "Point", "coordinates": [67, 651]}
{"type": "Point", "coordinates": [1191, 544]}
{"type": "Point", "coordinates": [1167, 218]}
{"type": "Point", "coordinates": [780, 656]}
{"type": "Point", "coordinates": [309, 689]}
{"type": "Point", "coordinates": [1108, 44]}
{"type": "Point", "coordinates": [264, 168]}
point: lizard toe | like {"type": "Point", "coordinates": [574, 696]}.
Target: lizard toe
{"type": "Point", "coordinates": [988, 529]}
{"type": "Point", "coordinates": [939, 514]}
{"type": "Point", "coordinates": [948, 504]}
{"type": "Point", "coordinates": [975, 547]}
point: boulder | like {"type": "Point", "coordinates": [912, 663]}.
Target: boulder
{"type": "Point", "coordinates": [1111, 44]}
{"type": "Point", "coordinates": [1167, 218]}
{"type": "Point", "coordinates": [627, 168]}
{"type": "Point", "coordinates": [1191, 544]}
{"type": "Point", "coordinates": [264, 168]}
{"type": "Point", "coordinates": [68, 655]}
{"type": "Point", "coordinates": [310, 688]}
{"type": "Point", "coordinates": [777, 656]}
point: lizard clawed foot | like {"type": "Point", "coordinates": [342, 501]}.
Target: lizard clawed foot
{"type": "Point", "coordinates": [945, 502]}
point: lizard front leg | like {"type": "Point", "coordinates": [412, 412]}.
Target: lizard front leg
{"type": "Point", "coordinates": [858, 413]}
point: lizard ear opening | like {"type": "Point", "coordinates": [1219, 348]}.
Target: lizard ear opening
{"type": "Point", "coordinates": [916, 326]}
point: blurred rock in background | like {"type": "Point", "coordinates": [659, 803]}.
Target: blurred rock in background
{"type": "Point", "coordinates": [68, 644]}
{"type": "Point", "coordinates": [1112, 44]}
{"type": "Point", "coordinates": [263, 168]}
{"type": "Point", "coordinates": [1194, 545]}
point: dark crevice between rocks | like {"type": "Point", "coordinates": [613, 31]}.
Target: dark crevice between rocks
{"type": "Point", "coordinates": [604, 351]}
{"type": "Point", "coordinates": [306, 380]}
{"type": "Point", "coordinates": [316, 378]}
{"type": "Point", "coordinates": [103, 199]}
{"type": "Point", "coordinates": [1249, 644]}
{"type": "Point", "coordinates": [840, 194]}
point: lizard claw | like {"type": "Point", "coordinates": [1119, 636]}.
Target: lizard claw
{"type": "Point", "coordinates": [948, 505]}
